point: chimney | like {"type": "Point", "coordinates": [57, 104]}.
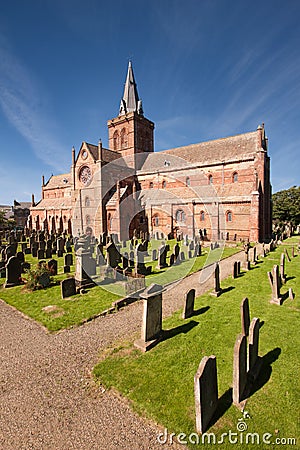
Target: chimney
{"type": "Point", "coordinates": [32, 200]}
{"type": "Point", "coordinates": [100, 150]}
{"type": "Point", "coordinates": [73, 155]}
{"type": "Point", "coordinates": [43, 181]}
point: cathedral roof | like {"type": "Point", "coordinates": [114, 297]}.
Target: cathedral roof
{"type": "Point", "coordinates": [59, 181]}
{"type": "Point", "coordinates": [54, 203]}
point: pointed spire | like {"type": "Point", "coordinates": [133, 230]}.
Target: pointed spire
{"type": "Point", "coordinates": [130, 101]}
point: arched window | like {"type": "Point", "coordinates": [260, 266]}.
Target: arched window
{"type": "Point", "coordinates": [109, 221]}
{"type": "Point", "coordinates": [229, 216]}
{"type": "Point", "coordinates": [87, 202]}
{"type": "Point", "coordinates": [88, 220]}
{"type": "Point", "coordinates": [235, 177]}
{"type": "Point", "coordinates": [116, 140]}
{"type": "Point", "coordinates": [155, 221]}
{"type": "Point", "coordinates": [188, 181]}
{"type": "Point", "coordinates": [123, 138]}
{"type": "Point", "coordinates": [210, 179]}
{"type": "Point", "coordinates": [164, 184]}
{"type": "Point", "coordinates": [151, 185]}
{"type": "Point", "coordinates": [180, 215]}
{"type": "Point", "coordinates": [202, 216]}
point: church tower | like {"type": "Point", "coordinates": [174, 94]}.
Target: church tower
{"type": "Point", "coordinates": [130, 133]}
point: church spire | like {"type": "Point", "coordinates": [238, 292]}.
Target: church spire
{"type": "Point", "coordinates": [130, 101]}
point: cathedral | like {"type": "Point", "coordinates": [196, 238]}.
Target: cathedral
{"type": "Point", "coordinates": [216, 190]}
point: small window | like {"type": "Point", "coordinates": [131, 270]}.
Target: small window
{"type": "Point", "coordinates": [156, 221]}
{"type": "Point", "coordinates": [235, 177]}
{"type": "Point", "coordinates": [188, 181]}
{"type": "Point", "coordinates": [87, 220]}
{"type": "Point", "coordinates": [150, 185]}
{"type": "Point", "coordinates": [87, 202]}
{"type": "Point", "coordinates": [116, 140]}
{"type": "Point", "coordinates": [164, 184]}
{"type": "Point", "coordinates": [229, 216]}
{"type": "Point", "coordinates": [202, 216]}
{"type": "Point", "coordinates": [180, 216]}
{"type": "Point", "coordinates": [210, 179]}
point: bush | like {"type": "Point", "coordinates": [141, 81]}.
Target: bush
{"type": "Point", "coordinates": [38, 278]}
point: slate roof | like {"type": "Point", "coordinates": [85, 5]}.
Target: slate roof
{"type": "Point", "coordinates": [54, 203]}
{"type": "Point", "coordinates": [59, 181]}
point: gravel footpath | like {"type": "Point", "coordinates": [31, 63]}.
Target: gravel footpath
{"type": "Point", "coordinates": [48, 398]}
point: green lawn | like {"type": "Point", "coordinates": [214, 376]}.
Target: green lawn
{"type": "Point", "coordinates": [160, 383]}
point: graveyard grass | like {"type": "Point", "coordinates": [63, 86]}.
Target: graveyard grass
{"type": "Point", "coordinates": [159, 383]}
{"type": "Point", "coordinates": [79, 308]}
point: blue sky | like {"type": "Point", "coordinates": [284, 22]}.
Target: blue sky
{"type": "Point", "coordinates": [205, 69]}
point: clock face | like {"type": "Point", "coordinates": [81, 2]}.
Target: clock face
{"type": "Point", "coordinates": [85, 175]}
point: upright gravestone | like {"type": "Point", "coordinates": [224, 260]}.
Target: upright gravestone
{"type": "Point", "coordinates": [253, 347]}
{"type": "Point", "coordinates": [13, 272]}
{"type": "Point", "coordinates": [189, 302]}
{"type": "Point", "coordinates": [112, 255]}
{"type": "Point", "coordinates": [40, 254]}
{"type": "Point", "coordinates": [245, 316]}
{"type": "Point", "coordinates": [282, 268]}
{"type": "Point", "coordinates": [21, 257]}
{"type": "Point", "coordinates": [176, 250]}
{"type": "Point", "coordinates": [239, 369]}
{"type": "Point", "coordinates": [235, 270]}
{"type": "Point", "coordinates": [206, 392]}
{"type": "Point", "coordinates": [68, 287]}
{"type": "Point", "coordinates": [68, 259]}
{"type": "Point", "coordinates": [217, 288]}
{"type": "Point", "coordinates": [275, 285]}
{"type": "Point", "coordinates": [152, 317]}
{"type": "Point", "coordinates": [162, 257]}
{"type": "Point", "coordinates": [172, 259]}
{"type": "Point", "coordinates": [52, 266]}
{"type": "Point", "coordinates": [154, 255]}
{"type": "Point", "coordinates": [287, 255]}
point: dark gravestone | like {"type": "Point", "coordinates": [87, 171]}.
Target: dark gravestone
{"type": "Point", "coordinates": [235, 270]}
{"type": "Point", "coordinates": [52, 266]}
{"type": "Point", "coordinates": [27, 251]}
{"type": "Point", "coordinates": [125, 261]}
{"type": "Point", "coordinates": [239, 369]}
{"type": "Point", "coordinates": [245, 316]}
{"type": "Point", "coordinates": [68, 287]}
{"type": "Point", "coordinates": [10, 250]}
{"type": "Point", "coordinates": [189, 302]}
{"type": "Point", "coordinates": [131, 258]}
{"type": "Point", "coordinates": [40, 254]}
{"type": "Point", "coordinates": [42, 245]}
{"type": "Point", "coordinates": [68, 259]}
{"type": "Point", "coordinates": [206, 392]}
{"type": "Point", "coordinates": [152, 317]}
{"type": "Point", "coordinates": [21, 257]}
{"type": "Point", "coordinates": [13, 272]}
{"type": "Point", "coordinates": [67, 269]}
{"type": "Point", "coordinates": [182, 256]}
{"type": "Point", "coordinates": [176, 250]}
{"type": "Point", "coordinates": [154, 254]}
{"type": "Point", "coordinates": [112, 255]}
{"type": "Point", "coordinates": [48, 252]}
{"type": "Point", "coordinates": [238, 267]}
{"type": "Point", "coordinates": [217, 288]}
{"type": "Point", "coordinates": [162, 257]}
{"type": "Point", "coordinates": [34, 249]}
{"type": "Point", "coordinates": [172, 259]}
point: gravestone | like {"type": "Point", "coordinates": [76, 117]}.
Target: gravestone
{"type": "Point", "coordinates": [275, 285]}
{"type": "Point", "coordinates": [287, 255]}
{"type": "Point", "coordinates": [52, 266]}
{"type": "Point", "coordinates": [239, 369]}
{"type": "Point", "coordinates": [182, 256]}
{"type": "Point", "coordinates": [282, 268]}
{"type": "Point", "coordinates": [206, 392]}
{"type": "Point", "coordinates": [34, 249]}
{"type": "Point", "coordinates": [131, 258]}
{"type": "Point", "coordinates": [235, 270]}
{"type": "Point", "coordinates": [152, 317]}
{"type": "Point", "coordinates": [42, 245]}
{"type": "Point", "coordinates": [162, 257]}
{"type": "Point", "coordinates": [68, 287]}
{"type": "Point", "coordinates": [68, 259]}
{"type": "Point", "coordinates": [253, 346]}
{"type": "Point", "coordinates": [134, 285]}
{"type": "Point", "coordinates": [67, 269]}
{"type": "Point", "coordinates": [21, 257]}
{"type": "Point", "coordinates": [154, 255]}
{"type": "Point", "coordinates": [197, 251]}
{"type": "Point", "coordinates": [246, 262]}
{"type": "Point", "coordinates": [172, 259]}
{"type": "Point", "coordinates": [176, 250]}
{"type": "Point", "coordinates": [125, 261]}
{"type": "Point", "coordinates": [112, 255]}
{"type": "Point", "coordinates": [189, 302]}
{"type": "Point", "coordinates": [40, 254]}
{"type": "Point", "coordinates": [140, 267]}
{"type": "Point", "coordinates": [217, 288]}
{"type": "Point", "coordinates": [245, 316]}
{"type": "Point", "coordinates": [13, 272]}
{"type": "Point", "coordinates": [238, 267]}
{"type": "Point", "coordinates": [48, 253]}
{"type": "Point", "coordinates": [10, 250]}
{"type": "Point", "coordinates": [190, 254]}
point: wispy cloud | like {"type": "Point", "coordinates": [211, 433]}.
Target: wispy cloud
{"type": "Point", "coordinates": [22, 103]}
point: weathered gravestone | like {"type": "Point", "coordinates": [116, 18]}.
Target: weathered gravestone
{"type": "Point", "coordinates": [52, 266]}
{"type": "Point", "coordinates": [206, 392]}
{"type": "Point", "coordinates": [287, 255]}
{"type": "Point", "coordinates": [68, 287]}
{"type": "Point", "coordinates": [217, 288]}
{"type": "Point", "coordinates": [13, 272]}
{"type": "Point", "coordinates": [282, 268]}
{"type": "Point", "coordinates": [40, 254]}
{"type": "Point", "coordinates": [245, 316]}
{"type": "Point", "coordinates": [189, 302]}
{"type": "Point", "coordinates": [176, 250]}
{"type": "Point", "coordinates": [254, 361]}
{"type": "Point", "coordinates": [239, 369]}
{"type": "Point", "coordinates": [275, 285]}
{"type": "Point", "coordinates": [172, 259]}
{"type": "Point", "coordinates": [162, 257]}
{"type": "Point", "coordinates": [21, 257]}
{"type": "Point", "coordinates": [68, 259]}
{"type": "Point", "coordinates": [152, 317]}
{"type": "Point", "coordinates": [154, 255]}
{"type": "Point", "coordinates": [235, 270]}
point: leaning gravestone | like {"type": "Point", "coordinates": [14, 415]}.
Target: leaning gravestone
{"type": "Point", "coordinates": [245, 316]}
{"type": "Point", "coordinates": [13, 272]}
{"type": "Point", "coordinates": [239, 369]}
{"type": "Point", "coordinates": [206, 392]}
{"type": "Point", "coordinates": [189, 302]}
{"type": "Point", "coordinates": [68, 287]}
{"type": "Point", "coordinates": [152, 317]}
{"type": "Point", "coordinates": [275, 285]}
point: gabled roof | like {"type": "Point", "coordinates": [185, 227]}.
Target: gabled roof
{"type": "Point", "coordinates": [59, 181]}
{"type": "Point", "coordinates": [54, 203]}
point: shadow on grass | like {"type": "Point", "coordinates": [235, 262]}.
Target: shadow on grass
{"type": "Point", "coordinates": [284, 297]}
{"type": "Point", "coordinates": [199, 311]}
{"type": "Point", "coordinates": [224, 403]}
{"type": "Point", "coordinates": [261, 324]}
{"type": "Point", "coordinates": [266, 370]}
{"type": "Point", "coordinates": [228, 289]}
{"type": "Point", "coordinates": [168, 334]}
{"type": "Point", "coordinates": [289, 278]}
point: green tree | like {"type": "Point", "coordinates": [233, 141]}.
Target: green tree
{"type": "Point", "coordinates": [3, 219]}
{"type": "Point", "coordinates": [286, 205]}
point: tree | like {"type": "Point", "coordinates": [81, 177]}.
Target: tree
{"type": "Point", "coordinates": [3, 219]}
{"type": "Point", "coordinates": [286, 205]}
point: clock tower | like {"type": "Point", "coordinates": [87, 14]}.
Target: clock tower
{"type": "Point", "coordinates": [130, 133]}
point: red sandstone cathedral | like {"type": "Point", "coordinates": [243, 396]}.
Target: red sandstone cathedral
{"type": "Point", "coordinates": [217, 190]}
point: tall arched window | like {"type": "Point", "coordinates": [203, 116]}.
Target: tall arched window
{"type": "Point", "coordinates": [123, 137]}
{"type": "Point", "coordinates": [155, 220]}
{"type": "Point", "coordinates": [180, 215]}
{"type": "Point", "coordinates": [116, 140]}
{"type": "Point", "coordinates": [151, 185]}
{"type": "Point", "coordinates": [87, 202]}
{"type": "Point", "coordinates": [164, 184]}
{"type": "Point", "coordinates": [188, 181]}
{"type": "Point", "coordinates": [88, 220]}
{"type": "Point", "coordinates": [210, 179]}
{"type": "Point", "coordinates": [202, 216]}
{"type": "Point", "coordinates": [235, 177]}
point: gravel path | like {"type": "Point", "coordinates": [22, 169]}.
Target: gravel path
{"type": "Point", "coordinates": [48, 398]}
